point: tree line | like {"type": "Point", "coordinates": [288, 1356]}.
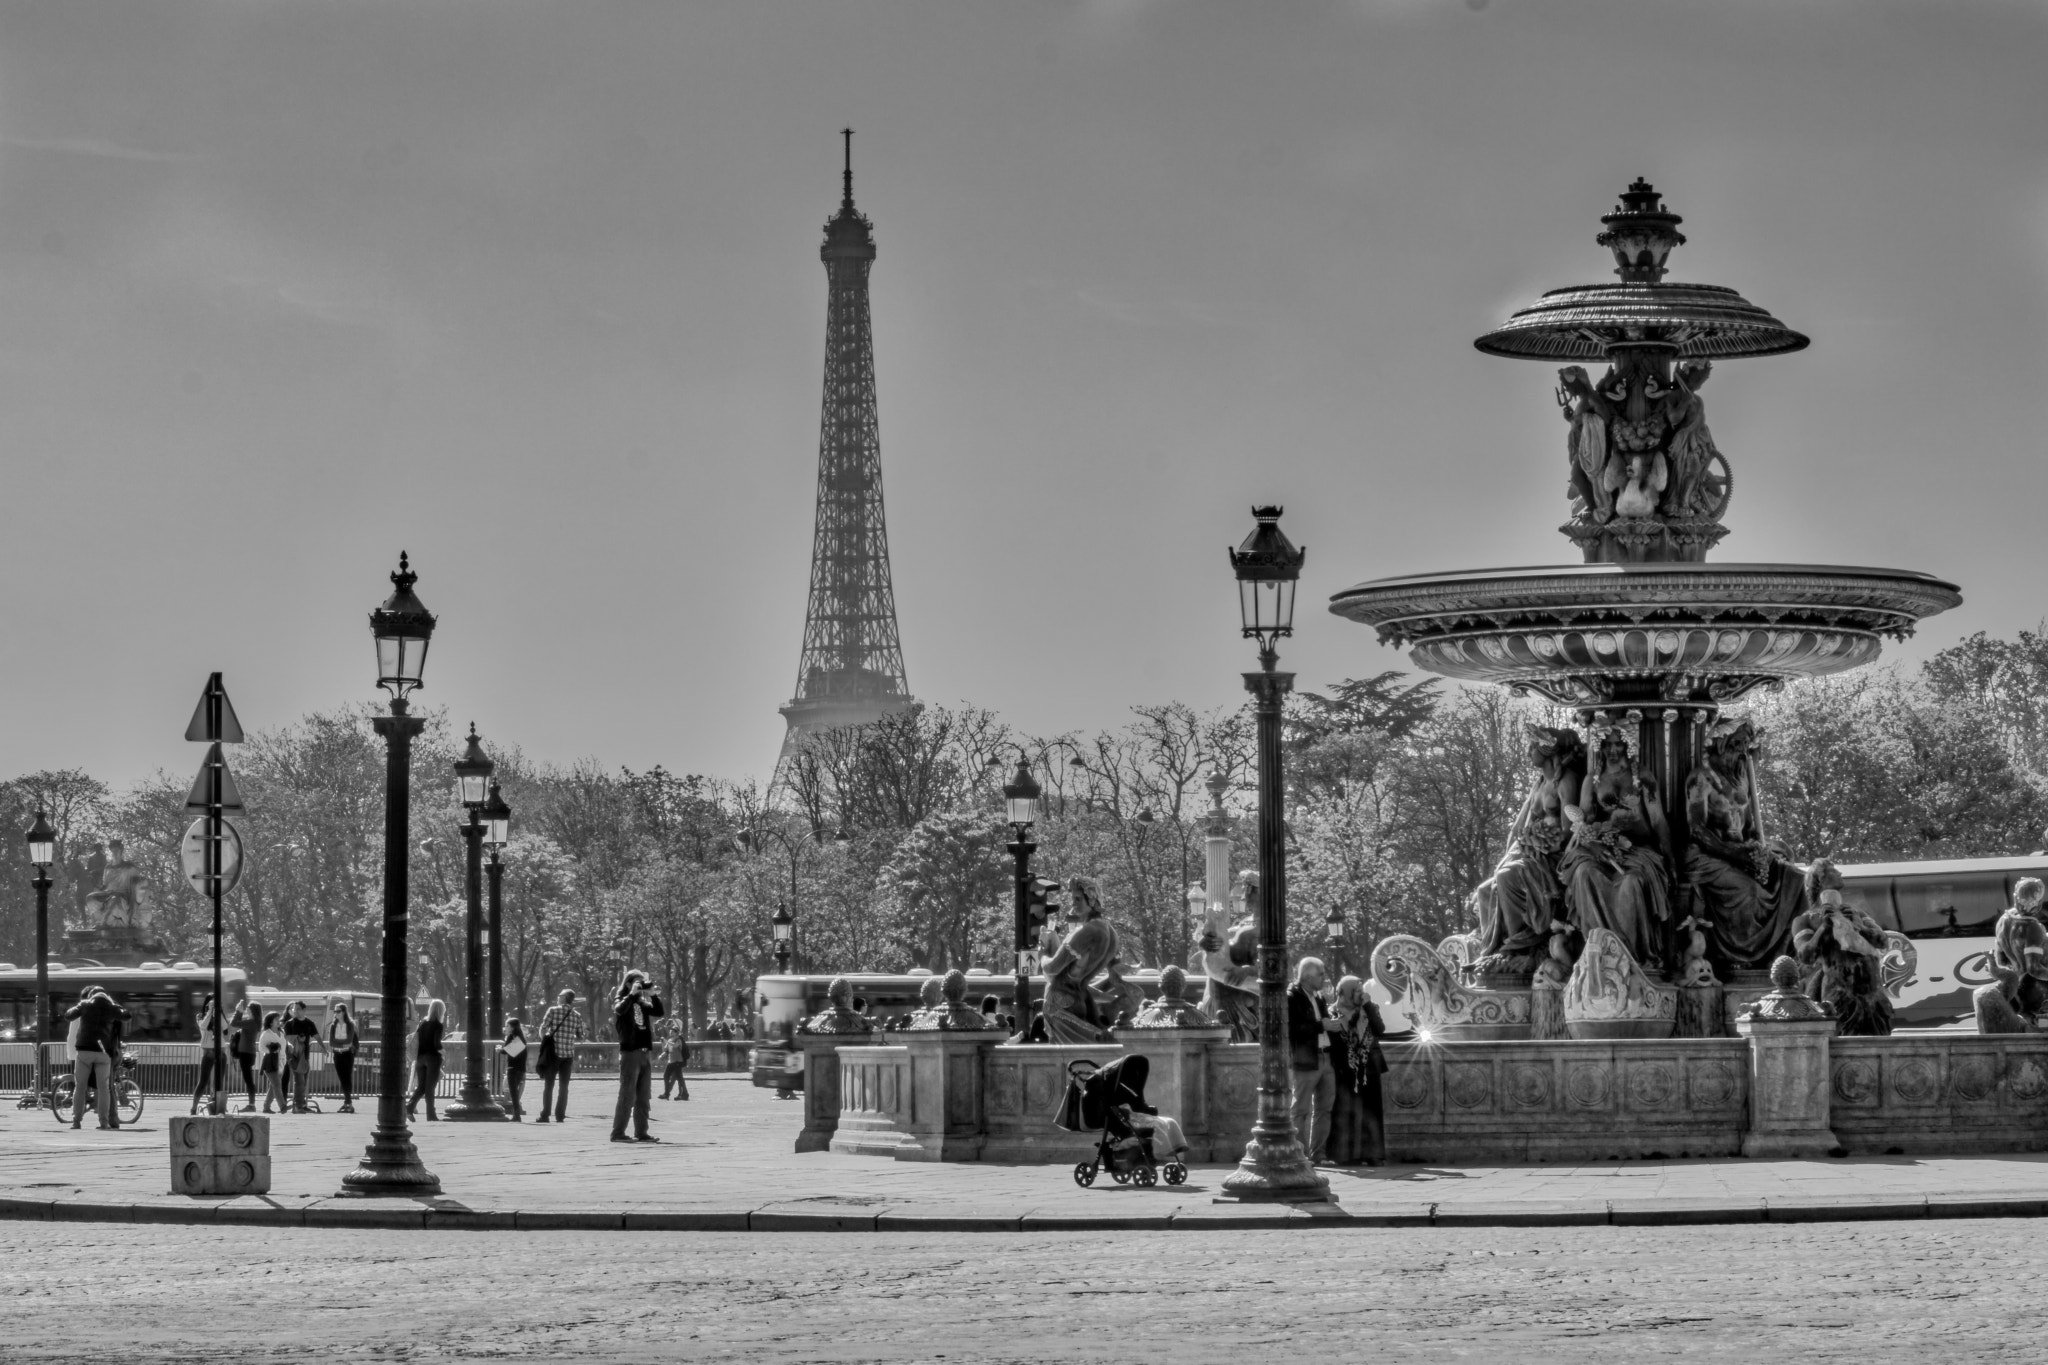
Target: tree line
{"type": "Point", "coordinates": [886, 841]}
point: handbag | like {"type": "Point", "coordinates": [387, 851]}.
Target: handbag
{"type": "Point", "coordinates": [550, 1055]}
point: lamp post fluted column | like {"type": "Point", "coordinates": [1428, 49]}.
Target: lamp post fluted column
{"type": "Point", "coordinates": [42, 885]}
{"type": "Point", "coordinates": [1020, 802]}
{"type": "Point", "coordinates": [476, 1105]}
{"type": "Point", "coordinates": [403, 626]}
{"type": "Point", "coordinates": [391, 1165]}
{"type": "Point", "coordinates": [1275, 1166]}
{"type": "Point", "coordinates": [496, 873]}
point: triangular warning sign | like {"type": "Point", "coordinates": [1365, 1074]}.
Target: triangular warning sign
{"type": "Point", "coordinates": [214, 770]}
{"type": "Point", "coordinates": [214, 721]}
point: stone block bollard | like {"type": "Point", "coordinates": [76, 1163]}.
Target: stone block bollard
{"type": "Point", "coordinates": [945, 1122]}
{"type": "Point", "coordinates": [225, 1154]}
{"type": "Point", "coordinates": [821, 1084]}
{"type": "Point", "coordinates": [1788, 1071]}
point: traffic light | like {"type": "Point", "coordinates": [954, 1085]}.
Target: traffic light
{"type": "Point", "coordinates": [1042, 903]}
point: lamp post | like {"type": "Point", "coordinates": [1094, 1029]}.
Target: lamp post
{"type": "Point", "coordinates": [1333, 931]}
{"type": "Point", "coordinates": [784, 925]}
{"type": "Point", "coordinates": [1274, 1167]}
{"type": "Point", "coordinates": [42, 851]}
{"type": "Point", "coordinates": [473, 780]}
{"type": "Point", "coordinates": [497, 833]}
{"type": "Point", "coordinates": [402, 626]}
{"type": "Point", "coordinates": [1020, 796]}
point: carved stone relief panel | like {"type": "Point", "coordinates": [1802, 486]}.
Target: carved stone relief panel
{"type": "Point", "coordinates": [1468, 1085]}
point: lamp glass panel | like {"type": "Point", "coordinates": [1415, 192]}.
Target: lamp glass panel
{"type": "Point", "coordinates": [42, 852]}
{"type": "Point", "coordinates": [1023, 810]}
{"type": "Point", "coordinates": [498, 830]}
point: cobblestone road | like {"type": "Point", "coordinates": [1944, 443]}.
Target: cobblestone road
{"type": "Point", "coordinates": [1872, 1292]}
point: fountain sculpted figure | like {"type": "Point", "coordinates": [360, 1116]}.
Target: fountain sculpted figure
{"type": "Point", "coordinates": [1750, 894]}
{"type": "Point", "coordinates": [2019, 964]}
{"type": "Point", "coordinates": [1616, 869]}
{"type": "Point", "coordinates": [1072, 1012]}
{"type": "Point", "coordinates": [1517, 904]}
{"type": "Point", "coordinates": [1230, 961]}
{"type": "Point", "coordinates": [1839, 949]}
{"type": "Point", "coordinates": [839, 1015]}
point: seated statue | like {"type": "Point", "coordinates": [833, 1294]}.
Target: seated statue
{"type": "Point", "coordinates": [839, 1016]}
{"type": "Point", "coordinates": [1615, 868]}
{"type": "Point", "coordinates": [952, 1013]}
{"type": "Point", "coordinates": [1171, 1009]}
{"type": "Point", "coordinates": [1750, 893]}
{"type": "Point", "coordinates": [1072, 1012]}
{"type": "Point", "coordinates": [1839, 950]}
{"type": "Point", "coordinates": [2018, 992]}
{"type": "Point", "coordinates": [1515, 906]}
{"type": "Point", "coordinates": [1230, 961]}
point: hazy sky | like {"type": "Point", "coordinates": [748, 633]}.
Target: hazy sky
{"type": "Point", "coordinates": [532, 290]}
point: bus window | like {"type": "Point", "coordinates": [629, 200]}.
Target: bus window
{"type": "Point", "coordinates": [1959, 901]}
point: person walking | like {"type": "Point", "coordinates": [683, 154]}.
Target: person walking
{"type": "Point", "coordinates": [243, 1027]}
{"type": "Point", "coordinates": [210, 1061]}
{"type": "Point", "coordinates": [426, 1066]}
{"type": "Point", "coordinates": [300, 1033]}
{"type": "Point", "coordinates": [1358, 1126]}
{"type": "Point", "coordinates": [561, 1028]}
{"type": "Point", "coordinates": [675, 1052]}
{"type": "Point", "coordinates": [342, 1037]}
{"type": "Point", "coordinates": [92, 1059]}
{"type": "Point", "coordinates": [270, 1048]}
{"type": "Point", "coordinates": [633, 1023]}
{"type": "Point", "coordinates": [1309, 1030]}
{"type": "Point", "coordinates": [514, 1049]}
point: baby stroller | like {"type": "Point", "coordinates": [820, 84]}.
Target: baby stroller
{"type": "Point", "coordinates": [1110, 1100]}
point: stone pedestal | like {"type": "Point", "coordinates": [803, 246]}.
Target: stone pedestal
{"type": "Point", "coordinates": [1179, 1084]}
{"type": "Point", "coordinates": [224, 1154]}
{"type": "Point", "coordinates": [821, 1085]}
{"type": "Point", "coordinates": [1788, 1088]}
{"type": "Point", "coordinates": [919, 1100]}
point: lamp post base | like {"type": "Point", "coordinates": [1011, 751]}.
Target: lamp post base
{"type": "Point", "coordinates": [1275, 1172]}
{"type": "Point", "coordinates": [476, 1106]}
{"type": "Point", "coordinates": [391, 1168]}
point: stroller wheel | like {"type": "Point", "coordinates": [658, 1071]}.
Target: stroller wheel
{"type": "Point", "coordinates": [1176, 1174]}
{"type": "Point", "coordinates": [1121, 1177]}
{"type": "Point", "coordinates": [1084, 1174]}
{"type": "Point", "coordinates": [1147, 1176]}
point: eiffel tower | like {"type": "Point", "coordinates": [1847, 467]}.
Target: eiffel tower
{"type": "Point", "coordinates": [851, 671]}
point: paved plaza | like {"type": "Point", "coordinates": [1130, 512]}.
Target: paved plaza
{"type": "Point", "coordinates": [725, 1163]}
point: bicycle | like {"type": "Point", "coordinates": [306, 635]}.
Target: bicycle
{"type": "Point", "coordinates": [127, 1094]}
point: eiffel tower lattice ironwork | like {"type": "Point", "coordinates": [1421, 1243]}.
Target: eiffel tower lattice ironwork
{"type": "Point", "coordinates": [851, 671]}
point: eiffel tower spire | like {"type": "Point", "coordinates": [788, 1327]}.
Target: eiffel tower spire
{"type": "Point", "coordinates": [851, 670]}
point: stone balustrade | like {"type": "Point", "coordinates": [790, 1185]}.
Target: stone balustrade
{"type": "Point", "coordinates": [1782, 1089]}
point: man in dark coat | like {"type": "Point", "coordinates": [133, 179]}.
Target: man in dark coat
{"type": "Point", "coordinates": [633, 1023]}
{"type": "Point", "coordinates": [1309, 1027]}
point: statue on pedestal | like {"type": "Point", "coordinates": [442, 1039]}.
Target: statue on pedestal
{"type": "Point", "coordinates": [1616, 870]}
{"type": "Point", "coordinates": [1072, 1012]}
{"type": "Point", "coordinates": [1839, 950]}
{"type": "Point", "coordinates": [1171, 1009]}
{"type": "Point", "coordinates": [953, 1013]}
{"type": "Point", "coordinates": [839, 1016]}
{"type": "Point", "coordinates": [1785, 1002]}
{"type": "Point", "coordinates": [1515, 906]}
{"type": "Point", "coordinates": [1230, 961]}
{"type": "Point", "coordinates": [1750, 893]}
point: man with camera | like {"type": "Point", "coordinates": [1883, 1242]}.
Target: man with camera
{"type": "Point", "coordinates": [633, 1024]}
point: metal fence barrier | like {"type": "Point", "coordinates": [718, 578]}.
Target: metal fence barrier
{"type": "Point", "coordinates": [173, 1068]}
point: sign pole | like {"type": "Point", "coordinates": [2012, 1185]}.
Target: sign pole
{"type": "Point", "coordinates": [214, 723]}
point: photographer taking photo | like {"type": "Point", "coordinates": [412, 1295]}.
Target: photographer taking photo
{"type": "Point", "coordinates": [633, 1023]}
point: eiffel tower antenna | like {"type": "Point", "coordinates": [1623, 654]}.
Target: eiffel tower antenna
{"type": "Point", "coordinates": [851, 670]}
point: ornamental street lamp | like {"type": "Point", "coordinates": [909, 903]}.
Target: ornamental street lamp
{"type": "Point", "coordinates": [1333, 931]}
{"type": "Point", "coordinates": [402, 626]}
{"type": "Point", "coordinates": [1020, 796]}
{"type": "Point", "coordinates": [1275, 1167]}
{"type": "Point", "coordinates": [473, 781]}
{"type": "Point", "coordinates": [497, 833]}
{"type": "Point", "coordinates": [784, 925]}
{"type": "Point", "coordinates": [42, 851]}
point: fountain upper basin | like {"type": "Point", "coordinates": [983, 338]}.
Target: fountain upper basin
{"type": "Point", "coordinates": [1585, 634]}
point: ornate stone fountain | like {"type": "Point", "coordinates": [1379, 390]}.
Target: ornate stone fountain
{"type": "Point", "coordinates": [1639, 894]}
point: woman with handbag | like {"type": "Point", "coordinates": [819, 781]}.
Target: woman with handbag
{"type": "Point", "coordinates": [1358, 1130]}
{"type": "Point", "coordinates": [341, 1047]}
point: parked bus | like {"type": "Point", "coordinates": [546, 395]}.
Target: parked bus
{"type": "Point", "coordinates": [163, 1001]}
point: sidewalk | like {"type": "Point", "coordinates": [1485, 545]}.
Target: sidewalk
{"type": "Point", "coordinates": [725, 1164]}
